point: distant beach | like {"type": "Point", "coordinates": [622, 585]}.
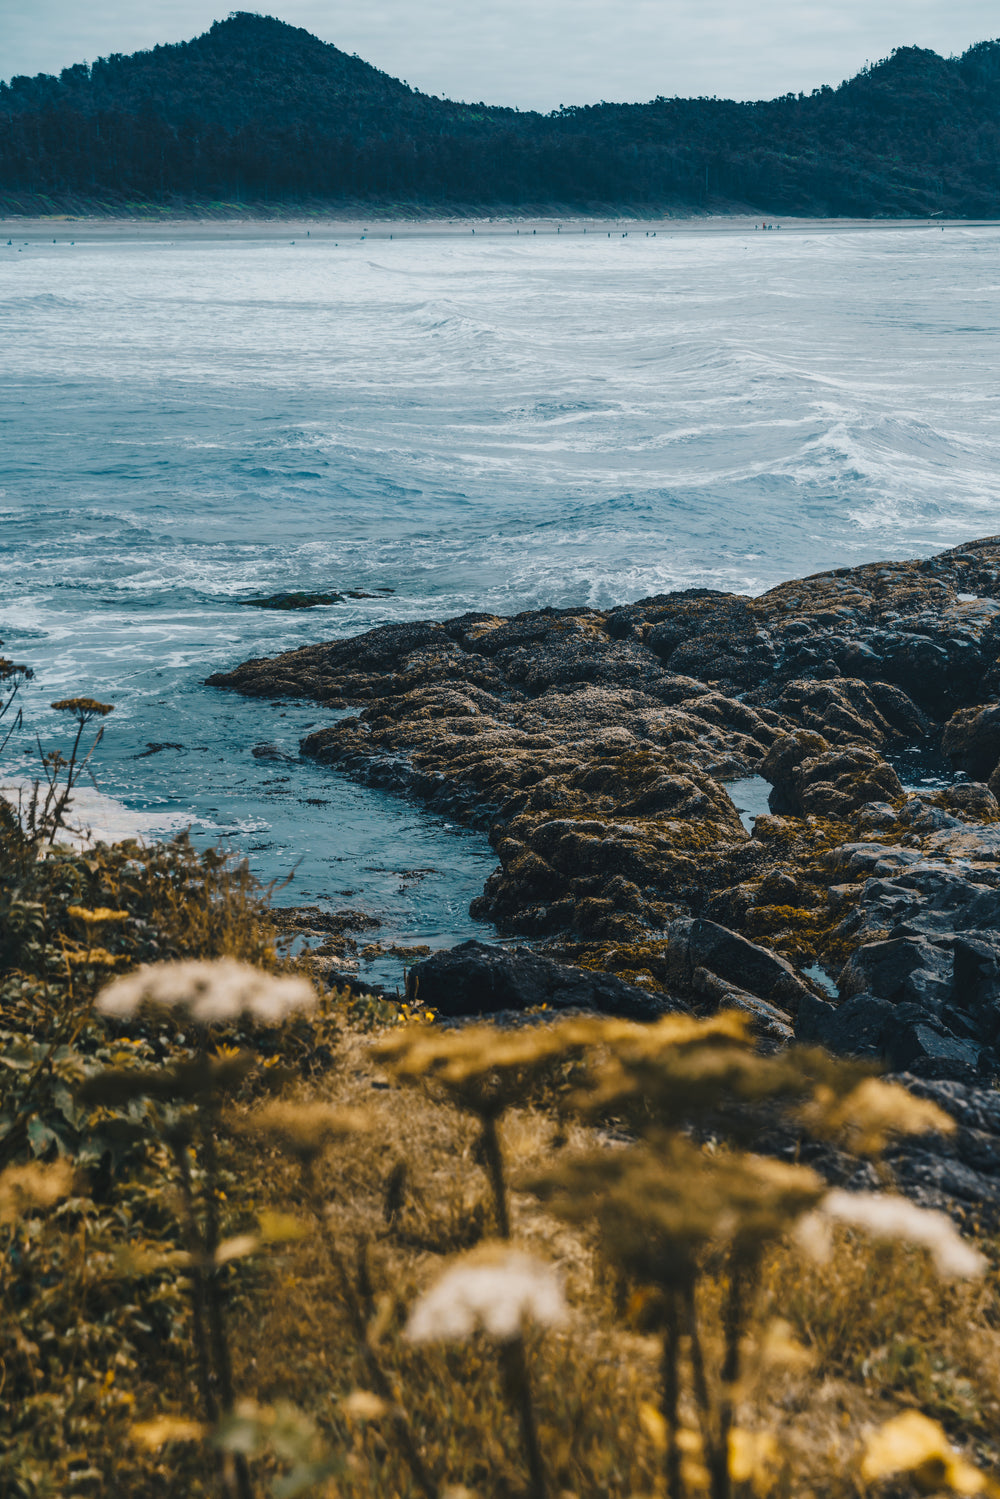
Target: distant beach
{"type": "Point", "coordinates": [62, 226]}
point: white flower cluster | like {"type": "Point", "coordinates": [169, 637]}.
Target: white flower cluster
{"type": "Point", "coordinates": [496, 1290]}
{"type": "Point", "coordinates": [887, 1217]}
{"type": "Point", "coordinates": [212, 992]}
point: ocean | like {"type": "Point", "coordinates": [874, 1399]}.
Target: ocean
{"type": "Point", "coordinates": [491, 422]}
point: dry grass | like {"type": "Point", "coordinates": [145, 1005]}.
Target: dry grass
{"type": "Point", "coordinates": [328, 1232]}
{"type": "Point", "coordinates": [868, 1334]}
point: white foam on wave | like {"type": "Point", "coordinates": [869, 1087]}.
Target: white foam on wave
{"type": "Point", "coordinates": [93, 817]}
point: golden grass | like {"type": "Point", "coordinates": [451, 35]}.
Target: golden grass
{"type": "Point", "coordinates": [323, 1196]}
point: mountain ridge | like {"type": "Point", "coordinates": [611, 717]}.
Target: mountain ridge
{"type": "Point", "coordinates": [257, 110]}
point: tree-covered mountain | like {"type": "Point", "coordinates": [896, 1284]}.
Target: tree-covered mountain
{"type": "Point", "coordinates": [257, 111]}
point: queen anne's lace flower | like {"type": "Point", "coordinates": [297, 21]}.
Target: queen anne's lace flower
{"type": "Point", "coordinates": [496, 1289]}
{"type": "Point", "coordinates": [885, 1216]}
{"type": "Point", "coordinates": [211, 992]}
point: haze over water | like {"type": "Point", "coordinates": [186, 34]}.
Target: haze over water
{"type": "Point", "coordinates": [475, 422]}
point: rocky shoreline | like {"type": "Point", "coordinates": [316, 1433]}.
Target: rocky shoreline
{"type": "Point", "coordinates": [596, 746]}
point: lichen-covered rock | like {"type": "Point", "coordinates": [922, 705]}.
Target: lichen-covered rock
{"type": "Point", "coordinates": [596, 746]}
{"type": "Point", "coordinates": [809, 777]}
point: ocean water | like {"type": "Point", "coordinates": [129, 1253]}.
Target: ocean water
{"type": "Point", "coordinates": [473, 422]}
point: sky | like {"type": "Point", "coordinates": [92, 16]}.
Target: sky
{"type": "Point", "coordinates": [536, 54]}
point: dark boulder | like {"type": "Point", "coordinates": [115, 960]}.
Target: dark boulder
{"type": "Point", "coordinates": [903, 968]}
{"type": "Point", "coordinates": [810, 778]}
{"type": "Point", "coordinates": [915, 1043]}
{"type": "Point", "coordinates": [856, 1028]}
{"type": "Point", "coordinates": [694, 944]}
{"type": "Point", "coordinates": [475, 979]}
{"type": "Point", "coordinates": [971, 740]}
{"type": "Point", "coordinates": [781, 762]}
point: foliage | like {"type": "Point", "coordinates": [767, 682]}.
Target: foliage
{"type": "Point", "coordinates": [235, 1258]}
{"type": "Point", "coordinates": [261, 112]}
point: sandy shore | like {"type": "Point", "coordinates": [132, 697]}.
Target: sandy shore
{"type": "Point", "coordinates": [89, 230]}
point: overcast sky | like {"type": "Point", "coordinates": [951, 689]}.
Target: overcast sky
{"type": "Point", "coordinates": [537, 54]}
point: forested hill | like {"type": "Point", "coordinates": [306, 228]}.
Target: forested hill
{"type": "Point", "coordinates": [260, 112]}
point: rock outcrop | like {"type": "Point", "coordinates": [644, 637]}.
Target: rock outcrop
{"type": "Point", "coordinates": [477, 979]}
{"type": "Point", "coordinates": [596, 747]}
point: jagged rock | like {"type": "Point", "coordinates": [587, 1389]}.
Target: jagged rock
{"type": "Point", "coordinates": [809, 777]}
{"type": "Point", "coordinates": [904, 968]}
{"type": "Point", "coordinates": [971, 740]}
{"type": "Point", "coordinates": [848, 711]}
{"type": "Point", "coordinates": [913, 1043]}
{"type": "Point", "coordinates": [781, 762]}
{"type": "Point", "coordinates": [697, 944]}
{"type": "Point", "coordinates": [771, 1025]}
{"type": "Point", "coordinates": [475, 979]}
{"type": "Point", "coordinates": [856, 1028]}
{"type": "Point", "coordinates": [592, 746]}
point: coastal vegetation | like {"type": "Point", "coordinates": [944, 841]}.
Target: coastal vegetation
{"type": "Point", "coordinates": [256, 1237]}
{"type": "Point", "coordinates": [257, 115]}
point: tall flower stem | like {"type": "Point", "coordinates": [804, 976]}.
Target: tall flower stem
{"type": "Point", "coordinates": [514, 1365]}
{"type": "Point", "coordinates": [376, 1373]}
{"type": "Point", "coordinates": [221, 1357]}
{"type": "Point", "coordinates": [672, 1394]}
{"type": "Point", "coordinates": [198, 1306]}
{"type": "Point", "coordinates": [513, 1354]}
{"type": "Point", "coordinates": [742, 1276]}
{"type": "Point", "coordinates": [699, 1379]}
{"type": "Point", "coordinates": [493, 1157]}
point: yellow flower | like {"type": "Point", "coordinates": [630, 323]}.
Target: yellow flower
{"type": "Point", "coordinates": [33, 1186]}
{"type": "Point", "coordinates": [751, 1455]}
{"type": "Point", "coordinates": [913, 1443]}
{"type": "Point", "coordinates": [99, 914]}
{"type": "Point", "coordinates": [157, 1433]}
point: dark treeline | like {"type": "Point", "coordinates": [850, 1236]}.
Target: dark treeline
{"type": "Point", "coordinates": [258, 111]}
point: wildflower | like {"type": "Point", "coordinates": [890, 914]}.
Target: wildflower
{"type": "Point", "coordinates": [32, 1186]}
{"type": "Point", "coordinates": [83, 708]}
{"type": "Point", "coordinates": [212, 992]}
{"type": "Point", "coordinates": [913, 1443]}
{"type": "Point", "coordinates": [496, 1289]}
{"type": "Point", "coordinates": [364, 1405]}
{"type": "Point", "coordinates": [885, 1216]}
{"type": "Point", "coordinates": [97, 916]}
{"type": "Point", "coordinates": [305, 1129]}
{"type": "Point", "coordinates": [872, 1113]}
{"type": "Point", "coordinates": [157, 1433]}
{"type": "Point", "coordinates": [658, 1206]}
{"type": "Point", "coordinates": [484, 1069]}
{"type": "Point", "coordinates": [10, 669]}
{"type": "Point", "coordinates": [94, 957]}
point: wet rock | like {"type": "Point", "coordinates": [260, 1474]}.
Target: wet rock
{"type": "Point", "coordinates": [296, 600]}
{"type": "Point", "coordinates": [972, 801]}
{"type": "Point", "coordinates": [592, 745]}
{"type": "Point", "coordinates": [476, 979]}
{"type": "Point", "coordinates": [809, 777]}
{"type": "Point", "coordinates": [771, 1025]}
{"type": "Point", "coordinates": [875, 713]}
{"type": "Point", "coordinates": [971, 740]}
